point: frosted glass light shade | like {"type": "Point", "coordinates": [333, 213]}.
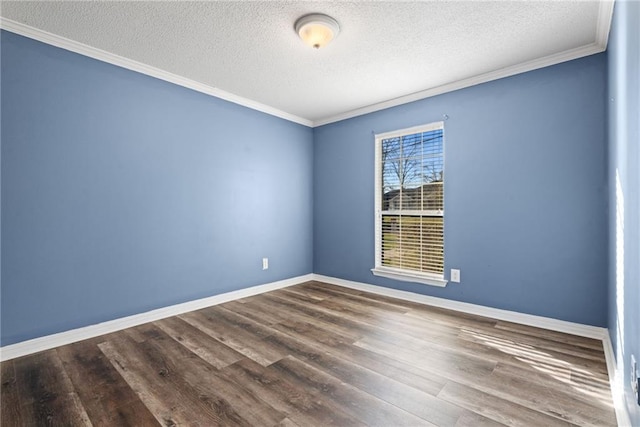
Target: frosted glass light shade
{"type": "Point", "coordinates": [317, 30]}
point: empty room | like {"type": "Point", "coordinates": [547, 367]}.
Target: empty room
{"type": "Point", "coordinates": [286, 213]}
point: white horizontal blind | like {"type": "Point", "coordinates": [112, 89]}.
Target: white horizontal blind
{"type": "Point", "coordinates": [410, 200]}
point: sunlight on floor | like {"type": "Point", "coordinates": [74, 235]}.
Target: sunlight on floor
{"type": "Point", "coordinates": [579, 378]}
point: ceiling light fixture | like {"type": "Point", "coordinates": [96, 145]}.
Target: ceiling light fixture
{"type": "Point", "coordinates": [317, 30]}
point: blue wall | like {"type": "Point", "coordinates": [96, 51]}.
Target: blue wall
{"type": "Point", "coordinates": [624, 178]}
{"type": "Point", "coordinates": [122, 193]}
{"type": "Point", "coordinates": [525, 192]}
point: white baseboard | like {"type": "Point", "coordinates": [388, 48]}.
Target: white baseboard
{"type": "Point", "coordinates": [51, 341]}
{"type": "Point", "coordinates": [55, 340]}
{"type": "Point", "coordinates": [579, 329]}
{"type": "Point", "coordinates": [617, 384]}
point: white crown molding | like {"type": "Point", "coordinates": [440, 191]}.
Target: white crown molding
{"type": "Point", "coordinates": [524, 67]}
{"type": "Point", "coordinates": [605, 13]}
{"type": "Point", "coordinates": [101, 55]}
{"type": "Point", "coordinates": [479, 310]}
{"type": "Point", "coordinates": [616, 383]}
{"type": "Point", "coordinates": [55, 340]}
{"type": "Point", "coordinates": [603, 26]}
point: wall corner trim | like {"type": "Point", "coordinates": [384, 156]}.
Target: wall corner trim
{"type": "Point", "coordinates": [67, 337]}
{"type": "Point", "coordinates": [120, 61]}
{"type": "Point", "coordinates": [617, 384]}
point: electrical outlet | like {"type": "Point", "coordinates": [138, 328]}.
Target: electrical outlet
{"type": "Point", "coordinates": [635, 382]}
{"type": "Point", "coordinates": [265, 263]}
{"type": "Point", "coordinates": [455, 275]}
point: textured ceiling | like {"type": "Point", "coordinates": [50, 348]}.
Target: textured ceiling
{"type": "Point", "coordinates": [385, 50]}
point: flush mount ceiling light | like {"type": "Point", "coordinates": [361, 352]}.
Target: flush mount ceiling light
{"type": "Point", "coordinates": [317, 30]}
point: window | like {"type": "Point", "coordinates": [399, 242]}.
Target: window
{"type": "Point", "coordinates": [410, 204]}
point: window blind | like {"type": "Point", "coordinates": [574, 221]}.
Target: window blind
{"type": "Point", "coordinates": [410, 200]}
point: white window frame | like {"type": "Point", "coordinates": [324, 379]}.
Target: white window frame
{"type": "Point", "coordinates": [390, 272]}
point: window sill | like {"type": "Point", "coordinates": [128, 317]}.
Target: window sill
{"type": "Point", "coordinates": [425, 279]}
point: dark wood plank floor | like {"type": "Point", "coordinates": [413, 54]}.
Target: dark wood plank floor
{"type": "Point", "coordinates": [314, 354]}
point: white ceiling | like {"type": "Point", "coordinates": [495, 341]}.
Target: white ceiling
{"type": "Point", "coordinates": [387, 53]}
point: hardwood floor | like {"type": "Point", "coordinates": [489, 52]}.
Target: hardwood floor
{"type": "Point", "coordinates": [314, 355]}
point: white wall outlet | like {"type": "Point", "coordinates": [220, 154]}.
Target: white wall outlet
{"type": "Point", "coordinates": [265, 263]}
{"type": "Point", "coordinates": [455, 275]}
